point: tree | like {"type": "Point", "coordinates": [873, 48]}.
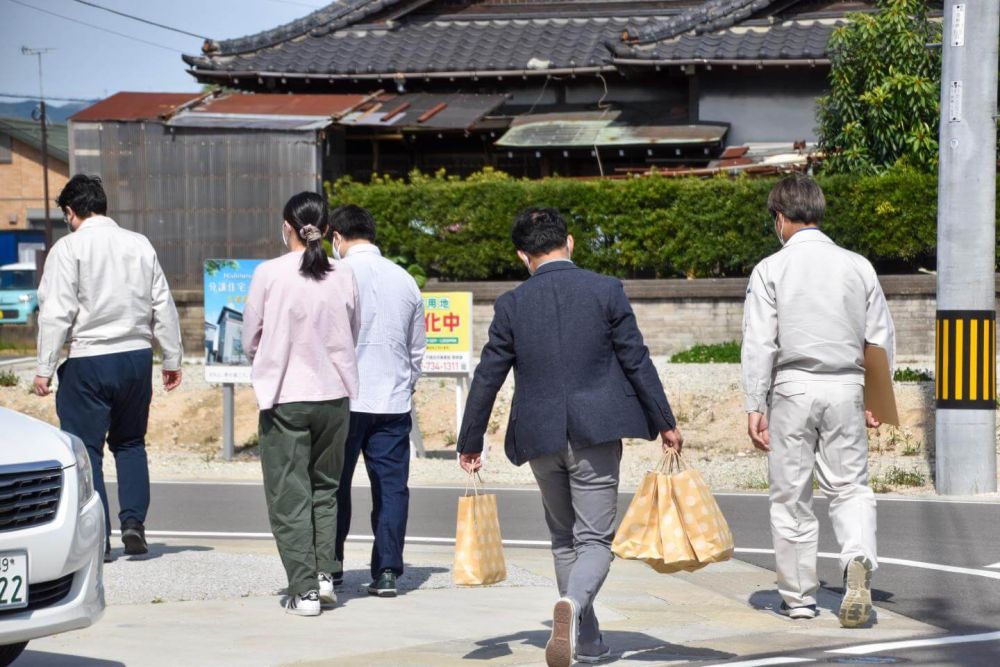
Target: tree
{"type": "Point", "coordinates": [885, 81]}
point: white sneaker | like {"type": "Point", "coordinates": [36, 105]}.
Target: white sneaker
{"type": "Point", "coordinates": [856, 607]}
{"type": "Point", "coordinates": [806, 612]}
{"type": "Point", "coordinates": [306, 604]}
{"type": "Point", "coordinates": [326, 594]}
{"type": "Point", "coordinates": [561, 648]}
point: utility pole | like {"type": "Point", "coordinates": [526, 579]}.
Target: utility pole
{"type": "Point", "coordinates": [45, 141]}
{"type": "Point", "coordinates": [965, 392]}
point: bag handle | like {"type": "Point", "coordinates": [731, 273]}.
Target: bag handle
{"type": "Point", "coordinates": [471, 480]}
{"type": "Point", "coordinates": [671, 462]}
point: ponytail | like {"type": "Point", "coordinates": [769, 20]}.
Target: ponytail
{"type": "Point", "coordinates": [306, 213]}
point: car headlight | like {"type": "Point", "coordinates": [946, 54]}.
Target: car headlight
{"type": "Point", "coordinates": [24, 298]}
{"type": "Point", "coordinates": [84, 473]}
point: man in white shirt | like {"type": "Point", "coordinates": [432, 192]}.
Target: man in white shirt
{"type": "Point", "coordinates": [390, 350]}
{"type": "Point", "coordinates": [104, 291]}
{"type": "Point", "coordinates": [810, 310]}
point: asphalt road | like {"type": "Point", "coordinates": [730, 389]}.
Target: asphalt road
{"type": "Point", "coordinates": [935, 533]}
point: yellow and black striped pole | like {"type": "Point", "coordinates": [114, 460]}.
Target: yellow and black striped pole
{"type": "Point", "coordinates": [965, 377]}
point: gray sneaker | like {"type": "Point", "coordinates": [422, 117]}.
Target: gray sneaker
{"type": "Point", "coordinates": [595, 653]}
{"type": "Point", "coordinates": [561, 648]}
{"type": "Point", "coordinates": [856, 607]}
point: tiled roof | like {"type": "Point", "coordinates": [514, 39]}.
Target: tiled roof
{"type": "Point", "coordinates": [439, 46]}
{"type": "Point", "coordinates": [336, 42]}
{"type": "Point", "coordinates": [794, 40]}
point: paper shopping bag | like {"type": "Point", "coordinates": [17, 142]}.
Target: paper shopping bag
{"type": "Point", "coordinates": [479, 559]}
{"type": "Point", "coordinates": [651, 530]}
{"type": "Point", "coordinates": [704, 524]}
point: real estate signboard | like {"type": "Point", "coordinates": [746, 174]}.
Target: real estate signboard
{"type": "Point", "coordinates": [448, 318]}
{"type": "Point", "coordinates": [227, 284]}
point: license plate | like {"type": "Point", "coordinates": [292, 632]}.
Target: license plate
{"type": "Point", "coordinates": [13, 579]}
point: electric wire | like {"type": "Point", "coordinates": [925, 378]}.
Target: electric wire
{"type": "Point", "coordinates": [96, 27]}
{"type": "Point", "coordinates": [140, 19]}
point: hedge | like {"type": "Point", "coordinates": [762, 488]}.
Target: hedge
{"type": "Point", "coordinates": [650, 227]}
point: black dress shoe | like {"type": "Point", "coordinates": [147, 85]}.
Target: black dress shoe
{"type": "Point", "coordinates": [338, 578]}
{"type": "Point", "coordinates": [108, 557]}
{"type": "Point", "coordinates": [385, 586]}
{"type": "Point", "coordinates": [134, 538]}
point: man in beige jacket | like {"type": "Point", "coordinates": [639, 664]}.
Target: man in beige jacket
{"type": "Point", "coordinates": [810, 310]}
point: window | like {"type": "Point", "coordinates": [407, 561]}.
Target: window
{"type": "Point", "coordinates": [6, 148]}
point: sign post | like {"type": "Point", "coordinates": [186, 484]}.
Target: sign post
{"type": "Point", "coordinates": [227, 284]}
{"type": "Point", "coordinates": [448, 319]}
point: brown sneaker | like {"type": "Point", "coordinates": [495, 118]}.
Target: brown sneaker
{"type": "Point", "coordinates": [856, 607]}
{"type": "Point", "coordinates": [561, 648]}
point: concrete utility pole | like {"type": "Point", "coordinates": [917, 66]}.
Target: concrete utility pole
{"type": "Point", "coordinates": [966, 288]}
{"type": "Point", "coordinates": [45, 141]}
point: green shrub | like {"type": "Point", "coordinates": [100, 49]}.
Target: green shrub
{"type": "Point", "coordinates": [719, 353]}
{"type": "Point", "coordinates": [8, 379]}
{"type": "Point", "coordinates": [895, 477]}
{"type": "Point", "coordinates": [650, 227]}
{"type": "Point", "coordinates": [911, 375]}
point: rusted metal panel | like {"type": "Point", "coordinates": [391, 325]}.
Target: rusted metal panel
{"type": "Point", "coordinates": [441, 112]}
{"type": "Point", "coordinates": [134, 106]}
{"type": "Point", "coordinates": [282, 105]}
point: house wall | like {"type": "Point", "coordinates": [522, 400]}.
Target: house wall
{"type": "Point", "coordinates": [22, 185]}
{"type": "Point", "coordinates": [762, 105]}
{"type": "Point", "coordinates": [672, 314]}
{"type": "Point", "coordinates": [197, 194]}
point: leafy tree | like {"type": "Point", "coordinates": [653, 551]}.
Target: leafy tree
{"type": "Point", "coordinates": [884, 90]}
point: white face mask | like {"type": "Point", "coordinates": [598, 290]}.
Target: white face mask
{"type": "Point", "coordinates": [335, 248]}
{"type": "Point", "coordinates": [779, 228]}
{"type": "Point", "coordinates": [284, 234]}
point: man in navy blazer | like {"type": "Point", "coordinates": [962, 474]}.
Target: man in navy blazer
{"type": "Point", "coordinates": [583, 380]}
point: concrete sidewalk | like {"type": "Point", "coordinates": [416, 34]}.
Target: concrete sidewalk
{"type": "Point", "coordinates": [217, 603]}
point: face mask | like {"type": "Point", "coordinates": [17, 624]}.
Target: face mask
{"type": "Point", "coordinates": [284, 236]}
{"type": "Point", "coordinates": [527, 262]}
{"type": "Point", "coordinates": [335, 248]}
{"type": "Point", "coordinates": [778, 229]}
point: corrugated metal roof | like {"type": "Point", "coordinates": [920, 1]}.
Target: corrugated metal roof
{"type": "Point", "coordinates": [605, 128]}
{"type": "Point", "coordinates": [248, 121]}
{"type": "Point", "coordinates": [30, 132]}
{"type": "Point", "coordinates": [127, 106]}
{"type": "Point", "coordinates": [426, 111]}
{"type": "Point", "coordinates": [282, 105]}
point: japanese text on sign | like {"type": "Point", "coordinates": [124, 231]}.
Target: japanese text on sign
{"type": "Point", "coordinates": [448, 321]}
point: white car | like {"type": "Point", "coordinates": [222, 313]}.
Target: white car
{"type": "Point", "coordinates": [51, 534]}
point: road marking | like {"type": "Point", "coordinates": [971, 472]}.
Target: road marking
{"type": "Point", "coordinates": [350, 538]}
{"type": "Point", "coordinates": [865, 649]}
{"type": "Point", "coordinates": [15, 362]}
{"type": "Point", "coordinates": [994, 566]}
{"type": "Point", "coordinates": [762, 662]}
{"type": "Point", "coordinates": [896, 561]}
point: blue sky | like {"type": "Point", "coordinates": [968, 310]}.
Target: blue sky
{"type": "Point", "coordinates": [88, 63]}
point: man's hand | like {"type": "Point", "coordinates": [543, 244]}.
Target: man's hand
{"type": "Point", "coordinates": [172, 379]}
{"type": "Point", "coordinates": [470, 462]}
{"type": "Point", "coordinates": [871, 420]}
{"type": "Point", "coordinates": [757, 430]}
{"type": "Point", "coordinates": [42, 386]}
{"type": "Point", "coordinates": [672, 439]}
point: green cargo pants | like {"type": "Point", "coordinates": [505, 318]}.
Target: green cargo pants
{"type": "Point", "coordinates": [302, 454]}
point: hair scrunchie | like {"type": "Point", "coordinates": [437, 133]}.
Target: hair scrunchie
{"type": "Point", "coordinates": [310, 233]}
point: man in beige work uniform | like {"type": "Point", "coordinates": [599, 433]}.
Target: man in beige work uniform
{"type": "Point", "coordinates": [810, 310]}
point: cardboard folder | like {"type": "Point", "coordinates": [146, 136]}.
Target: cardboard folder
{"type": "Point", "coordinates": [880, 399]}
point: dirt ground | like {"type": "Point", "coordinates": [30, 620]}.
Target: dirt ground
{"type": "Point", "coordinates": [185, 432]}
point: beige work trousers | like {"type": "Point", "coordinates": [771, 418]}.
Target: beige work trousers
{"type": "Point", "coordinates": [817, 427]}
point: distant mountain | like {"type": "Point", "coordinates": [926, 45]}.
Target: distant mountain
{"type": "Point", "coordinates": [56, 114]}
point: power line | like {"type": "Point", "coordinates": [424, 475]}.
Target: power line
{"type": "Point", "coordinates": [141, 20]}
{"type": "Point", "coordinates": [96, 27]}
{"type": "Point", "coordinates": [299, 4]}
{"type": "Point", "coordinates": [47, 97]}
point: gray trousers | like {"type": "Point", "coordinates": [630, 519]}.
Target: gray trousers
{"type": "Point", "coordinates": [580, 493]}
{"type": "Point", "coordinates": [818, 428]}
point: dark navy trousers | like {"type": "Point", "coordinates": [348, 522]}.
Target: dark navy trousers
{"type": "Point", "coordinates": [107, 398]}
{"type": "Point", "coordinates": [384, 440]}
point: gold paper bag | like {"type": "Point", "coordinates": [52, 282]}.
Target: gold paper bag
{"type": "Point", "coordinates": [638, 535]}
{"type": "Point", "coordinates": [479, 559]}
{"type": "Point", "coordinates": [651, 530]}
{"type": "Point", "coordinates": [704, 524]}
{"type": "Point", "coordinates": [678, 554]}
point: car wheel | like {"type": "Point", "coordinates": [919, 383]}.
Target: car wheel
{"type": "Point", "coordinates": [9, 653]}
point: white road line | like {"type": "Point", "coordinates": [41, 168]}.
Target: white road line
{"type": "Point", "coordinates": [762, 662]}
{"type": "Point", "coordinates": [866, 649]}
{"type": "Point", "coordinates": [350, 538]}
{"type": "Point", "coordinates": [15, 362]}
{"type": "Point", "coordinates": [896, 561]}
{"type": "Point", "coordinates": [994, 566]}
